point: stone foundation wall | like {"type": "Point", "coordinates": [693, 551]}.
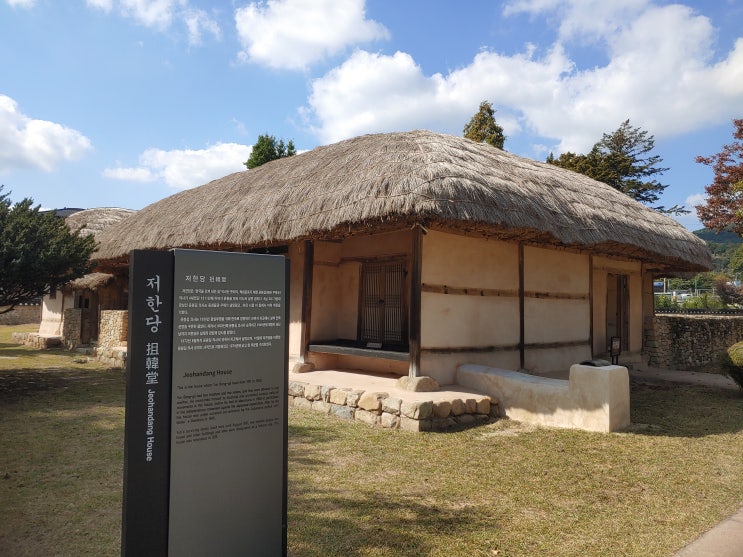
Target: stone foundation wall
{"type": "Point", "coordinates": [381, 410]}
{"type": "Point", "coordinates": [112, 349]}
{"type": "Point", "coordinates": [112, 356]}
{"type": "Point", "coordinates": [690, 342]}
{"type": "Point", "coordinates": [72, 323]}
{"type": "Point", "coordinates": [36, 340]}
{"type": "Point", "coordinates": [21, 315]}
{"type": "Point", "coordinates": [113, 327]}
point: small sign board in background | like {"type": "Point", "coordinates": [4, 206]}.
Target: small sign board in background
{"type": "Point", "coordinates": [225, 492]}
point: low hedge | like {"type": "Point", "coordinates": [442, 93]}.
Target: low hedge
{"type": "Point", "coordinates": [731, 362]}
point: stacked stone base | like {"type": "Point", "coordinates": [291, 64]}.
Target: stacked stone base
{"type": "Point", "coordinates": [35, 340]}
{"type": "Point", "coordinates": [112, 356]}
{"type": "Point", "coordinates": [382, 410]}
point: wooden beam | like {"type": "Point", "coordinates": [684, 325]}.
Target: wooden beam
{"type": "Point", "coordinates": [507, 348]}
{"type": "Point", "coordinates": [501, 292]}
{"type": "Point", "coordinates": [465, 349]}
{"type": "Point", "coordinates": [563, 344]}
{"type": "Point", "coordinates": [468, 291]}
{"type": "Point", "coordinates": [307, 272]}
{"type": "Point", "coordinates": [416, 271]}
{"type": "Point", "coordinates": [522, 352]}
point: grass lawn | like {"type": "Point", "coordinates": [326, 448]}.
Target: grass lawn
{"type": "Point", "coordinates": [501, 489]}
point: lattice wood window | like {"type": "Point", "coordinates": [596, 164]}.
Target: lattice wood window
{"type": "Point", "coordinates": [383, 315]}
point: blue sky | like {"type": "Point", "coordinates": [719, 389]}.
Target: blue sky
{"type": "Point", "coordinates": [123, 102]}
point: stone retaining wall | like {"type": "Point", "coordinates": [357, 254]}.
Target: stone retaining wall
{"type": "Point", "coordinates": [690, 342]}
{"type": "Point", "coordinates": [35, 340]}
{"type": "Point", "coordinates": [21, 315]}
{"type": "Point", "coordinates": [381, 410]}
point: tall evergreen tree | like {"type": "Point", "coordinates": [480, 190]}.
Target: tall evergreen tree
{"type": "Point", "coordinates": [38, 252]}
{"type": "Point", "coordinates": [483, 128]}
{"type": "Point", "coordinates": [267, 148]}
{"type": "Point", "coordinates": [623, 159]}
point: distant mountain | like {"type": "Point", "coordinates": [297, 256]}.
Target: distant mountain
{"type": "Point", "coordinates": [724, 237]}
{"type": "Point", "coordinates": [721, 244]}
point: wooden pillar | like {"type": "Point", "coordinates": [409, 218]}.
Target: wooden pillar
{"type": "Point", "coordinates": [414, 335]}
{"type": "Point", "coordinates": [522, 355]}
{"type": "Point", "coordinates": [648, 307]}
{"type": "Point", "coordinates": [307, 272]}
{"type": "Point", "coordinates": [590, 302]}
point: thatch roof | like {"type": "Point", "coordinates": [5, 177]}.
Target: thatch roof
{"type": "Point", "coordinates": [383, 181]}
{"type": "Point", "coordinates": [91, 281]}
{"type": "Point", "coordinates": [93, 221]}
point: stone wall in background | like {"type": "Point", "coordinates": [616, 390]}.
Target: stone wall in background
{"type": "Point", "coordinates": [690, 342]}
{"type": "Point", "coordinates": [22, 315]}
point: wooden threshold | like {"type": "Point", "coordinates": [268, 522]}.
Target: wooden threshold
{"type": "Point", "coordinates": [344, 350]}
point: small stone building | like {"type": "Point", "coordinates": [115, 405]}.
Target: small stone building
{"type": "Point", "coordinates": [71, 315]}
{"type": "Point", "coordinates": [413, 253]}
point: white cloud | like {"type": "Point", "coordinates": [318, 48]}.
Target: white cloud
{"type": "Point", "coordinates": [293, 34]}
{"type": "Point", "coordinates": [30, 143]}
{"type": "Point", "coordinates": [21, 3]}
{"type": "Point", "coordinates": [198, 21]}
{"type": "Point", "coordinates": [151, 13]}
{"type": "Point", "coordinates": [164, 14]}
{"type": "Point", "coordinates": [695, 199]}
{"type": "Point", "coordinates": [660, 73]}
{"type": "Point", "coordinates": [140, 174]}
{"type": "Point", "coordinates": [690, 220]}
{"type": "Point", "coordinates": [185, 168]}
{"type": "Point", "coordinates": [375, 93]}
{"type": "Point", "coordinates": [104, 5]}
{"type": "Point", "coordinates": [582, 19]}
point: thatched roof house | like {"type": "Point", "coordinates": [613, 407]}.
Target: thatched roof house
{"type": "Point", "coordinates": [442, 218]}
{"type": "Point", "coordinates": [89, 294]}
{"type": "Point", "coordinates": [380, 181]}
{"type": "Point", "coordinates": [93, 221]}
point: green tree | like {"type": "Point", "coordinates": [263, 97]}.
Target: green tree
{"type": "Point", "coordinates": [728, 293]}
{"type": "Point", "coordinates": [38, 253]}
{"type": "Point", "coordinates": [267, 149]}
{"type": "Point", "coordinates": [623, 160]}
{"type": "Point", "coordinates": [483, 128]}
{"type": "Point", "coordinates": [735, 265]}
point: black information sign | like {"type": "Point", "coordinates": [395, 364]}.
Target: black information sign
{"type": "Point", "coordinates": [225, 491]}
{"type": "Point", "coordinates": [228, 442]}
{"type": "Point", "coordinates": [148, 387]}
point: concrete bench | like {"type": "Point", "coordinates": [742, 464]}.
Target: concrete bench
{"type": "Point", "coordinates": [592, 399]}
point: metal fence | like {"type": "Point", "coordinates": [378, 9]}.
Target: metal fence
{"type": "Point", "coordinates": [685, 311]}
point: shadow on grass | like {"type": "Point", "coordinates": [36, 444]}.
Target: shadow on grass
{"type": "Point", "coordinates": [365, 522]}
{"type": "Point", "coordinates": [20, 383]}
{"type": "Point", "coordinates": [16, 351]}
{"type": "Point", "coordinates": [685, 410]}
{"type": "Point", "coordinates": [364, 519]}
